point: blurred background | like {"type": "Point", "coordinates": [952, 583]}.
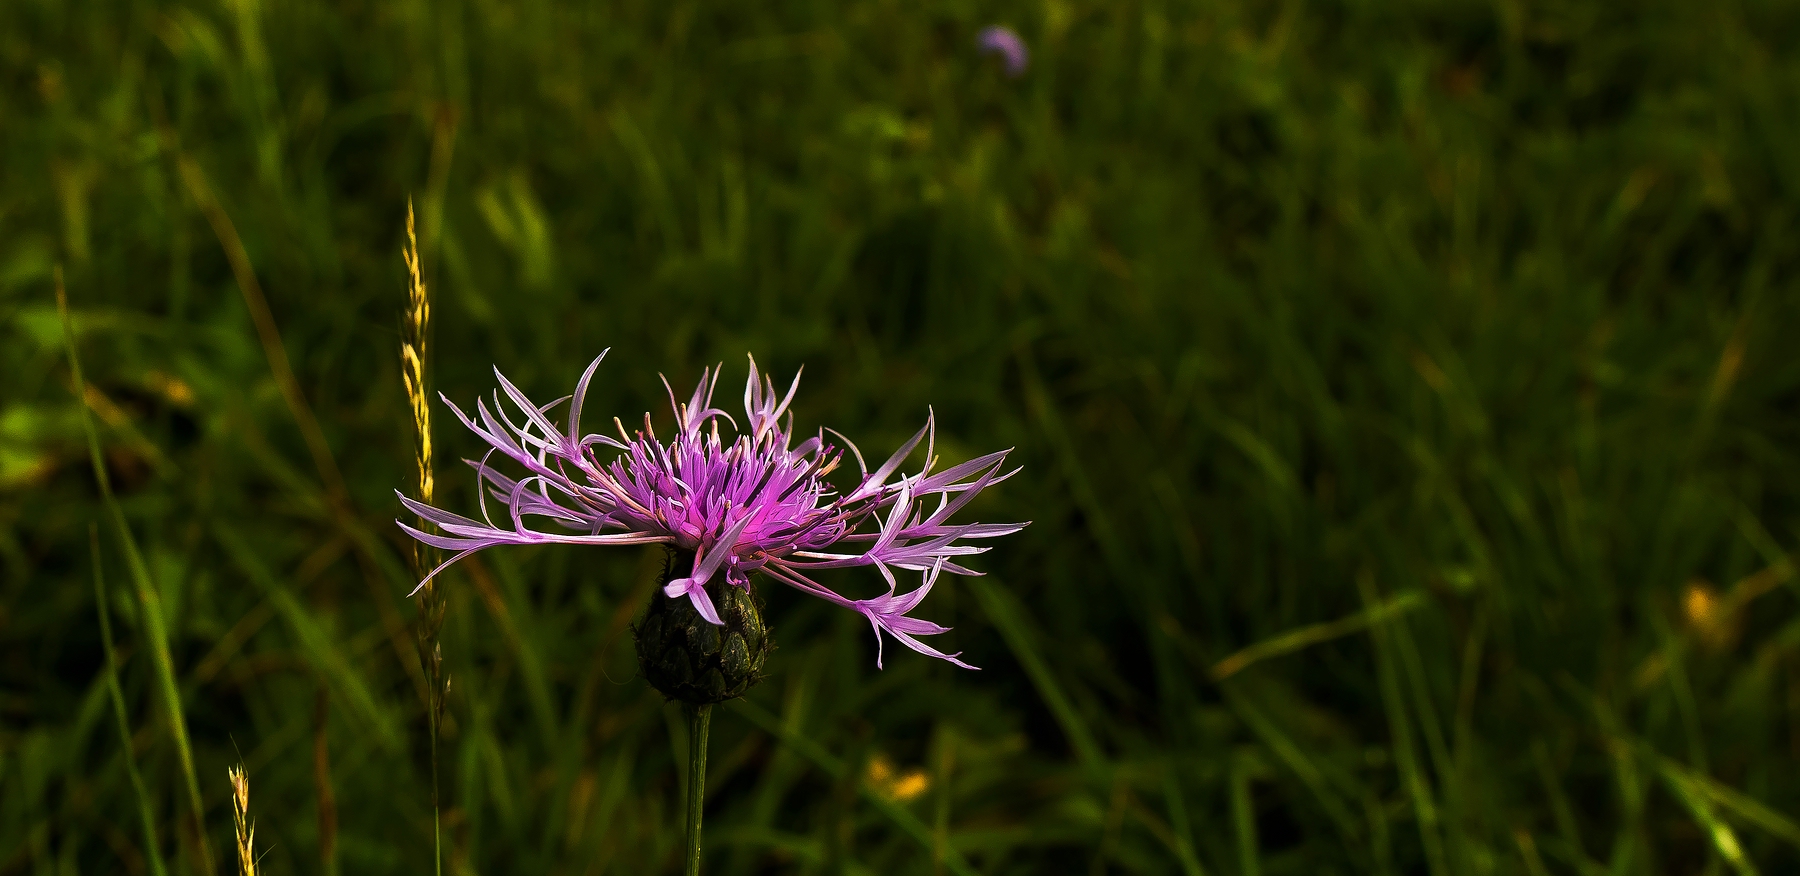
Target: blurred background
{"type": "Point", "coordinates": [1406, 395]}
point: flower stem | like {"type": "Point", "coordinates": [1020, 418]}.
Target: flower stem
{"type": "Point", "coordinates": [701, 717]}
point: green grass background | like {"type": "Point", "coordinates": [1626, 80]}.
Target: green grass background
{"type": "Point", "coordinates": [1441, 354]}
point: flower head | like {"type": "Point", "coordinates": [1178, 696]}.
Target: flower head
{"type": "Point", "coordinates": [759, 502]}
{"type": "Point", "coordinates": [1002, 41]}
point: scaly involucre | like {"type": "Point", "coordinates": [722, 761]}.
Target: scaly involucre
{"type": "Point", "coordinates": [758, 503]}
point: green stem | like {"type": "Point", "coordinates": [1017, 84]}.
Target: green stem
{"type": "Point", "coordinates": [697, 733]}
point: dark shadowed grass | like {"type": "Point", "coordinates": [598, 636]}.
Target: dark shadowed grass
{"type": "Point", "coordinates": [1405, 393]}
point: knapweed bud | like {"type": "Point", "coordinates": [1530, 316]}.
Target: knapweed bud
{"type": "Point", "coordinates": [687, 658]}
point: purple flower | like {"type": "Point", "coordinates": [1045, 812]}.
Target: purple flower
{"type": "Point", "coordinates": [759, 502]}
{"type": "Point", "coordinates": [1002, 41]}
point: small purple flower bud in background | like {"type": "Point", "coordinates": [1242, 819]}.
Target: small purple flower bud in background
{"type": "Point", "coordinates": [997, 40]}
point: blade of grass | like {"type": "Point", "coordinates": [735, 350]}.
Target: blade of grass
{"type": "Point", "coordinates": [655, 187]}
{"type": "Point", "coordinates": [377, 558]}
{"type": "Point", "coordinates": [1631, 841]}
{"type": "Point", "coordinates": [784, 768]}
{"type": "Point", "coordinates": [1560, 810]}
{"type": "Point", "coordinates": [1243, 818]}
{"type": "Point", "coordinates": [1051, 421]}
{"type": "Point", "coordinates": [149, 602]}
{"type": "Point", "coordinates": [1743, 806]}
{"type": "Point", "coordinates": [118, 703]}
{"type": "Point", "coordinates": [1178, 824]}
{"type": "Point", "coordinates": [1307, 636]}
{"type": "Point", "coordinates": [1724, 840]}
{"type": "Point", "coordinates": [1171, 681]}
{"type": "Point", "coordinates": [531, 662]}
{"type": "Point", "coordinates": [1534, 864]}
{"type": "Point", "coordinates": [315, 642]}
{"type": "Point", "coordinates": [601, 845]}
{"type": "Point", "coordinates": [1406, 758]}
{"type": "Point", "coordinates": [122, 425]}
{"type": "Point", "coordinates": [267, 332]}
{"type": "Point", "coordinates": [1675, 662]}
{"type": "Point", "coordinates": [1317, 778]}
{"type": "Point", "coordinates": [337, 495]}
{"type": "Point", "coordinates": [1381, 845]}
{"type": "Point", "coordinates": [943, 757]}
{"type": "Point", "coordinates": [1010, 619]}
{"type": "Point", "coordinates": [832, 766]}
{"type": "Point", "coordinates": [1111, 826]}
{"type": "Point", "coordinates": [1426, 711]}
{"type": "Point", "coordinates": [322, 785]}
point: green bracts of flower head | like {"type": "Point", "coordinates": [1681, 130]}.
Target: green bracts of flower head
{"type": "Point", "coordinates": [688, 659]}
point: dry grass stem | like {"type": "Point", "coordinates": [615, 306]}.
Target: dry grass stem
{"type": "Point", "coordinates": [267, 332]}
{"type": "Point", "coordinates": [414, 337]}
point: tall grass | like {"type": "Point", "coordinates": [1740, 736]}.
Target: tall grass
{"type": "Point", "coordinates": [119, 710]}
{"type": "Point", "coordinates": [1404, 392]}
{"type": "Point", "coordinates": [149, 600]}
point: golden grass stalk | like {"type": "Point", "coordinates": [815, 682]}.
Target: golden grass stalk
{"type": "Point", "coordinates": [415, 328]}
{"type": "Point", "coordinates": [415, 332]}
{"type": "Point", "coordinates": [240, 819]}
